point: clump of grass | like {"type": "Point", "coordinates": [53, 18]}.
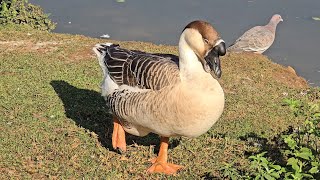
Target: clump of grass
{"type": "Point", "coordinates": [20, 12]}
{"type": "Point", "coordinates": [299, 150]}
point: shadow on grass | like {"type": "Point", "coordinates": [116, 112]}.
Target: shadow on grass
{"type": "Point", "coordinates": [272, 147]}
{"type": "Point", "coordinates": [87, 108]}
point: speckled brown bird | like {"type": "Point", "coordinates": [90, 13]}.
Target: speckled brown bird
{"type": "Point", "coordinates": [257, 39]}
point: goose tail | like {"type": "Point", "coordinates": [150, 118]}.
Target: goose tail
{"type": "Point", "coordinates": [101, 50]}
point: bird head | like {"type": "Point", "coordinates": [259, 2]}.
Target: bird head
{"type": "Point", "coordinates": [206, 43]}
{"type": "Point", "coordinates": [276, 18]}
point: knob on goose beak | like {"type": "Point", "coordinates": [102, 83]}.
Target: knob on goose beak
{"type": "Point", "coordinates": [220, 48]}
{"type": "Point", "coordinates": [213, 59]}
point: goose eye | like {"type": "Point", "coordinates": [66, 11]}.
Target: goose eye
{"type": "Point", "coordinates": [206, 41]}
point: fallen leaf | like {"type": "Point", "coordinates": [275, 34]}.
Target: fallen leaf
{"type": "Point", "coordinates": [316, 18]}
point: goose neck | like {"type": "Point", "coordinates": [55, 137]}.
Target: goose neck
{"type": "Point", "coordinates": [189, 64]}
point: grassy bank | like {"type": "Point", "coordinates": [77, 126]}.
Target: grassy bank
{"type": "Point", "coordinates": [53, 122]}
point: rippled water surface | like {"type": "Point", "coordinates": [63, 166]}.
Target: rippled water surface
{"type": "Point", "coordinates": [160, 22]}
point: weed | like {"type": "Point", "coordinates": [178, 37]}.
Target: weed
{"type": "Point", "coordinates": [300, 150]}
{"type": "Point", "coordinates": [21, 12]}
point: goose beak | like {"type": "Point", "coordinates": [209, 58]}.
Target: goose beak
{"type": "Point", "coordinates": [213, 59]}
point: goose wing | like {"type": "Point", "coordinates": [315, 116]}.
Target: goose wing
{"type": "Point", "coordinates": [139, 69]}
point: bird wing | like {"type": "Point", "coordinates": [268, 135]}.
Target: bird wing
{"type": "Point", "coordinates": [256, 39]}
{"type": "Point", "coordinates": [140, 69]}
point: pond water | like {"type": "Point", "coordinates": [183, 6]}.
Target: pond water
{"type": "Point", "coordinates": [160, 22]}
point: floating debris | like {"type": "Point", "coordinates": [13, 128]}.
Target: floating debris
{"type": "Point", "coordinates": [69, 22]}
{"type": "Point", "coordinates": [120, 1]}
{"type": "Point", "coordinates": [316, 18]}
{"type": "Point", "coordinates": [105, 36]}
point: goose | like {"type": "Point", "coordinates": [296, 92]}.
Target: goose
{"type": "Point", "coordinates": [164, 94]}
{"type": "Point", "coordinates": [257, 39]}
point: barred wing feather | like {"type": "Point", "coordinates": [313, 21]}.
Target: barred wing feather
{"type": "Point", "coordinates": [140, 69]}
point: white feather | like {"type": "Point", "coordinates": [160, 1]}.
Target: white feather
{"type": "Point", "coordinates": [107, 85]}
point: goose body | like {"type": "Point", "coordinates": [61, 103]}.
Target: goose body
{"type": "Point", "coordinates": [165, 94]}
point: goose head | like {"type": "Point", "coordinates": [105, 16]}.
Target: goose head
{"type": "Point", "coordinates": [206, 43]}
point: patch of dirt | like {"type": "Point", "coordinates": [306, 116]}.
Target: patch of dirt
{"type": "Point", "coordinates": [28, 46]}
{"type": "Point", "coordinates": [84, 52]}
{"type": "Point", "coordinates": [9, 172]}
{"type": "Point", "coordinates": [289, 77]}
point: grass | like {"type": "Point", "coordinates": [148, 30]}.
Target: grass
{"type": "Point", "coordinates": [54, 124]}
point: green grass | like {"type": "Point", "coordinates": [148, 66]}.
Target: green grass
{"type": "Point", "coordinates": [54, 124]}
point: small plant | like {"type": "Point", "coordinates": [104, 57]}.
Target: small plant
{"type": "Point", "coordinates": [294, 105]}
{"type": "Point", "coordinates": [303, 152]}
{"type": "Point", "coordinates": [302, 159]}
{"type": "Point", "coordinates": [21, 12]}
{"type": "Point", "coordinates": [228, 171]}
{"type": "Point", "coordinates": [263, 169]}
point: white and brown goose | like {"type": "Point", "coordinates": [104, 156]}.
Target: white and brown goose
{"type": "Point", "coordinates": [167, 95]}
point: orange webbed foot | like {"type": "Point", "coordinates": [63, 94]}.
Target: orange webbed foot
{"type": "Point", "coordinates": [160, 164]}
{"type": "Point", "coordinates": [118, 136]}
{"type": "Point", "coordinates": [163, 167]}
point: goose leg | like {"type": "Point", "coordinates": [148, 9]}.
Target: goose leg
{"type": "Point", "coordinates": [160, 163]}
{"type": "Point", "coordinates": [118, 135]}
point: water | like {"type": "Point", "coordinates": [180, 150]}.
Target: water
{"type": "Point", "coordinates": [161, 22]}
